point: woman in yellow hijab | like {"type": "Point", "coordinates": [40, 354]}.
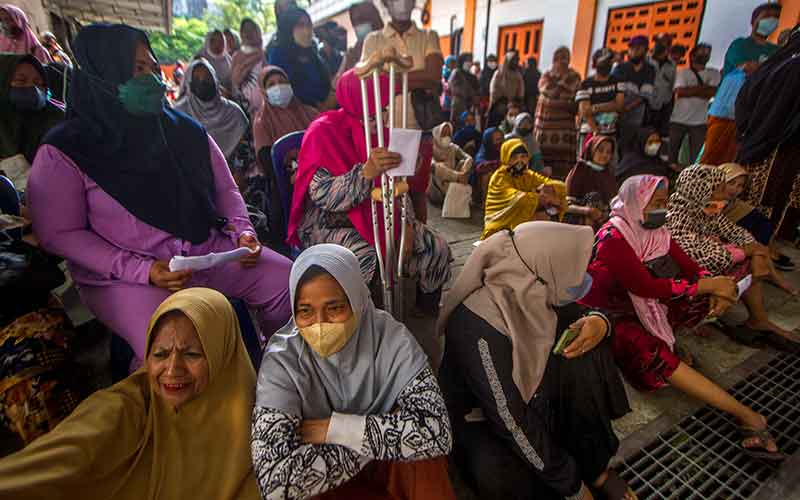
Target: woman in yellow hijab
{"type": "Point", "coordinates": [178, 427]}
{"type": "Point", "coordinates": [516, 193]}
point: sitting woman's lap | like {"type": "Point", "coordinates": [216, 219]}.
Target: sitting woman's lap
{"type": "Point", "coordinates": [126, 308]}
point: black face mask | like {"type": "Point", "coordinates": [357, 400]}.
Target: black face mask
{"type": "Point", "coordinates": [205, 90]}
{"type": "Point", "coordinates": [604, 69]}
{"type": "Point", "coordinates": [701, 60]}
{"type": "Point", "coordinates": [655, 219]}
{"type": "Point", "coordinates": [637, 60]}
{"type": "Point", "coordinates": [27, 98]}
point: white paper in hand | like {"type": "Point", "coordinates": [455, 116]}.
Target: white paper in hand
{"type": "Point", "coordinates": [743, 285]}
{"type": "Point", "coordinates": [406, 143]}
{"type": "Point", "coordinates": [180, 263]}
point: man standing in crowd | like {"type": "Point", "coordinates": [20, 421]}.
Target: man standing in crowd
{"type": "Point", "coordinates": [487, 74]}
{"type": "Point", "coordinates": [600, 98]}
{"type": "Point", "coordinates": [694, 86]}
{"type": "Point", "coordinates": [745, 54]}
{"type": "Point", "coordinates": [638, 79]}
{"type": "Point", "coordinates": [661, 105]}
{"type": "Point", "coordinates": [532, 76]}
{"type": "Point", "coordinates": [423, 83]}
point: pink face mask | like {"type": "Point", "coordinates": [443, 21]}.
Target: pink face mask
{"type": "Point", "coordinates": [714, 208]}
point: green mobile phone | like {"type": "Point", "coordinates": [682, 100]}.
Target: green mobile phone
{"type": "Point", "coordinates": [566, 339]}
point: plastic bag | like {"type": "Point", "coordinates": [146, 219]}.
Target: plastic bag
{"type": "Point", "coordinates": [456, 201]}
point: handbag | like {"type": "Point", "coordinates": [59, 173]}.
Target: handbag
{"type": "Point", "coordinates": [663, 267]}
{"type": "Point", "coordinates": [456, 201]}
{"type": "Point", "coordinates": [427, 110]}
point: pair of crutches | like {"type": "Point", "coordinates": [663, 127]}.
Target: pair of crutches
{"type": "Point", "coordinates": [390, 263]}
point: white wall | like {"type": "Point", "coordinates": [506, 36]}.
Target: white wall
{"type": "Point", "coordinates": [558, 28]}
{"type": "Point", "coordinates": [722, 22]}
{"type": "Point", "coordinates": [441, 13]}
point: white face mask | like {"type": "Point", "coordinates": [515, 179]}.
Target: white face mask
{"type": "Point", "coordinates": [445, 141]}
{"type": "Point", "coordinates": [652, 149]}
{"type": "Point", "coordinates": [466, 66]}
{"type": "Point", "coordinates": [552, 211]}
{"type": "Point", "coordinates": [400, 10]}
{"type": "Point", "coordinates": [596, 166]}
{"type": "Point", "coordinates": [247, 49]}
{"type": "Point", "coordinates": [362, 30]}
{"type": "Point", "coordinates": [280, 95]}
{"type": "Point", "coordinates": [492, 65]}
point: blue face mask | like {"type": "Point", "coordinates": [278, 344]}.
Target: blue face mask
{"type": "Point", "coordinates": [27, 98]}
{"type": "Point", "coordinates": [576, 293]}
{"type": "Point", "coordinates": [767, 26]}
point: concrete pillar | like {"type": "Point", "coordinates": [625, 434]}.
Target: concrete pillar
{"type": "Point", "coordinates": [582, 40]}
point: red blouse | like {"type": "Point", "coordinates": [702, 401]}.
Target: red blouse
{"type": "Point", "coordinates": [616, 271]}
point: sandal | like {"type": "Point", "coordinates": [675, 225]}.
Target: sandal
{"type": "Point", "coordinates": [760, 450]}
{"type": "Point", "coordinates": [615, 488]}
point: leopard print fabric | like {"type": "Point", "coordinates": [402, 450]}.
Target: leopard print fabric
{"type": "Point", "coordinates": [758, 178]}
{"type": "Point", "coordinates": [701, 236]}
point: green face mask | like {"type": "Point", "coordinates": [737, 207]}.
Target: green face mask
{"type": "Point", "coordinates": [142, 95]}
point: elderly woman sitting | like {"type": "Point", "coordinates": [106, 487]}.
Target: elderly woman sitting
{"type": "Point", "coordinates": [160, 433]}
{"type": "Point", "coordinates": [517, 194]}
{"type": "Point", "coordinates": [450, 164]}
{"type": "Point", "coordinates": [346, 402]}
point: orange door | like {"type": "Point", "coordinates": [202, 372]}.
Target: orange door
{"type": "Point", "coordinates": [680, 18]}
{"type": "Point", "coordinates": [526, 39]}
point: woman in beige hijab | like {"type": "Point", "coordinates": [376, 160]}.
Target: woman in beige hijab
{"type": "Point", "coordinates": [179, 427]}
{"type": "Point", "coordinates": [529, 423]}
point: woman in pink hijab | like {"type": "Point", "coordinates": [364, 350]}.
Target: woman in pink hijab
{"type": "Point", "coordinates": [331, 199]}
{"type": "Point", "coordinates": [17, 36]}
{"type": "Point", "coordinates": [643, 279]}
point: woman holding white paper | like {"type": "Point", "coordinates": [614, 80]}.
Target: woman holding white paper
{"type": "Point", "coordinates": [128, 183]}
{"type": "Point", "coordinates": [331, 200]}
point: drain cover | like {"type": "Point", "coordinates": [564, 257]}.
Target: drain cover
{"type": "Point", "coordinates": [700, 458]}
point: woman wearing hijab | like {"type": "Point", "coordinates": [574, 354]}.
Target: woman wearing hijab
{"type": "Point", "coordinates": [507, 82]}
{"type": "Point", "coordinates": [298, 56]}
{"type": "Point", "coordinates": [127, 184]}
{"type": "Point", "coordinates": [450, 164]}
{"type": "Point", "coordinates": [365, 18]}
{"type": "Point", "coordinates": [528, 421]}
{"type": "Point", "coordinates": [523, 130]}
{"type": "Point", "coordinates": [745, 215]}
{"type": "Point", "coordinates": [555, 113]}
{"type": "Point", "coordinates": [768, 132]}
{"type": "Point", "coordinates": [345, 390]}
{"type": "Point", "coordinates": [224, 120]}
{"type": "Point", "coordinates": [516, 193]}
{"type": "Point", "coordinates": [215, 51]}
{"type": "Point", "coordinates": [467, 136]}
{"type": "Point", "coordinates": [486, 162]}
{"type": "Point", "coordinates": [232, 41]}
{"type": "Point", "coordinates": [644, 159]}
{"type": "Point", "coordinates": [246, 66]}
{"type": "Point", "coordinates": [464, 87]}
{"type": "Point", "coordinates": [160, 432]}
{"type": "Point", "coordinates": [57, 54]}
{"type": "Point", "coordinates": [26, 114]}
{"type": "Point", "coordinates": [17, 36]}
{"type": "Point", "coordinates": [447, 98]}
{"type": "Point", "coordinates": [697, 224]}
{"type": "Point", "coordinates": [331, 199]}
{"type": "Point", "coordinates": [648, 285]}
{"type": "Point", "coordinates": [591, 184]}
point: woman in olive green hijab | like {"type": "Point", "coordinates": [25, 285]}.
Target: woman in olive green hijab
{"type": "Point", "coordinates": [177, 428]}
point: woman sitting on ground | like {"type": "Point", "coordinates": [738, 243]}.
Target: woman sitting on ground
{"type": "Point", "coordinates": [450, 164]}
{"type": "Point", "coordinates": [331, 199]}
{"type": "Point", "coordinates": [529, 423]}
{"type": "Point", "coordinates": [486, 161]}
{"type": "Point", "coordinates": [591, 184]}
{"type": "Point", "coordinates": [643, 159]}
{"type": "Point", "coordinates": [26, 114]}
{"type": "Point", "coordinates": [128, 184]}
{"type": "Point", "coordinates": [467, 136]}
{"type": "Point", "coordinates": [650, 286]}
{"type": "Point", "coordinates": [345, 390]}
{"type": "Point", "coordinates": [523, 130]}
{"type": "Point", "coordinates": [224, 120]}
{"type": "Point", "coordinates": [516, 195]}
{"type": "Point", "coordinates": [152, 435]}
{"type": "Point", "coordinates": [745, 215]}
{"type": "Point", "coordinates": [697, 224]}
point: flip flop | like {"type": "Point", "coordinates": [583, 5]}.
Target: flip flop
{"type": "Point", "coordinates": [614, 488]}
{"type": "Point", "coordinates": [764, 437]}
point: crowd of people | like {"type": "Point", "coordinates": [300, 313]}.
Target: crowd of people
{"type": "Point", "coordinates": [618, 211]}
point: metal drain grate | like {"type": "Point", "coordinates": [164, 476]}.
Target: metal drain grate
{"type": "Point", "coordinates": [700, 458]}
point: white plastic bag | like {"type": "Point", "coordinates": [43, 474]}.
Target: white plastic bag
{"type": "Point", "coordinates": [456, 201]}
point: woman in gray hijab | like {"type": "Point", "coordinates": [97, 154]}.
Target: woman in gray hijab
{"type": "Point", "coordinates": [223, 119]}
{"type": "Point", "coordinates": [345, 395]}
{"type": "Point", "coordinates": [523, 130]}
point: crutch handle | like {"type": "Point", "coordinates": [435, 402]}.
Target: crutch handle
{"type": "Point", "coordinates": [374, 62]}
{"type": "Point", "coordinates": [400, 188]}
{"type": "Point", "coordinates": [402, 62]}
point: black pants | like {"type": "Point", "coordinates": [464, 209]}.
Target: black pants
{"type": "Point", "coordinates": [567, 424]}
{"type": "Point", "coordinates": [697, 136]}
